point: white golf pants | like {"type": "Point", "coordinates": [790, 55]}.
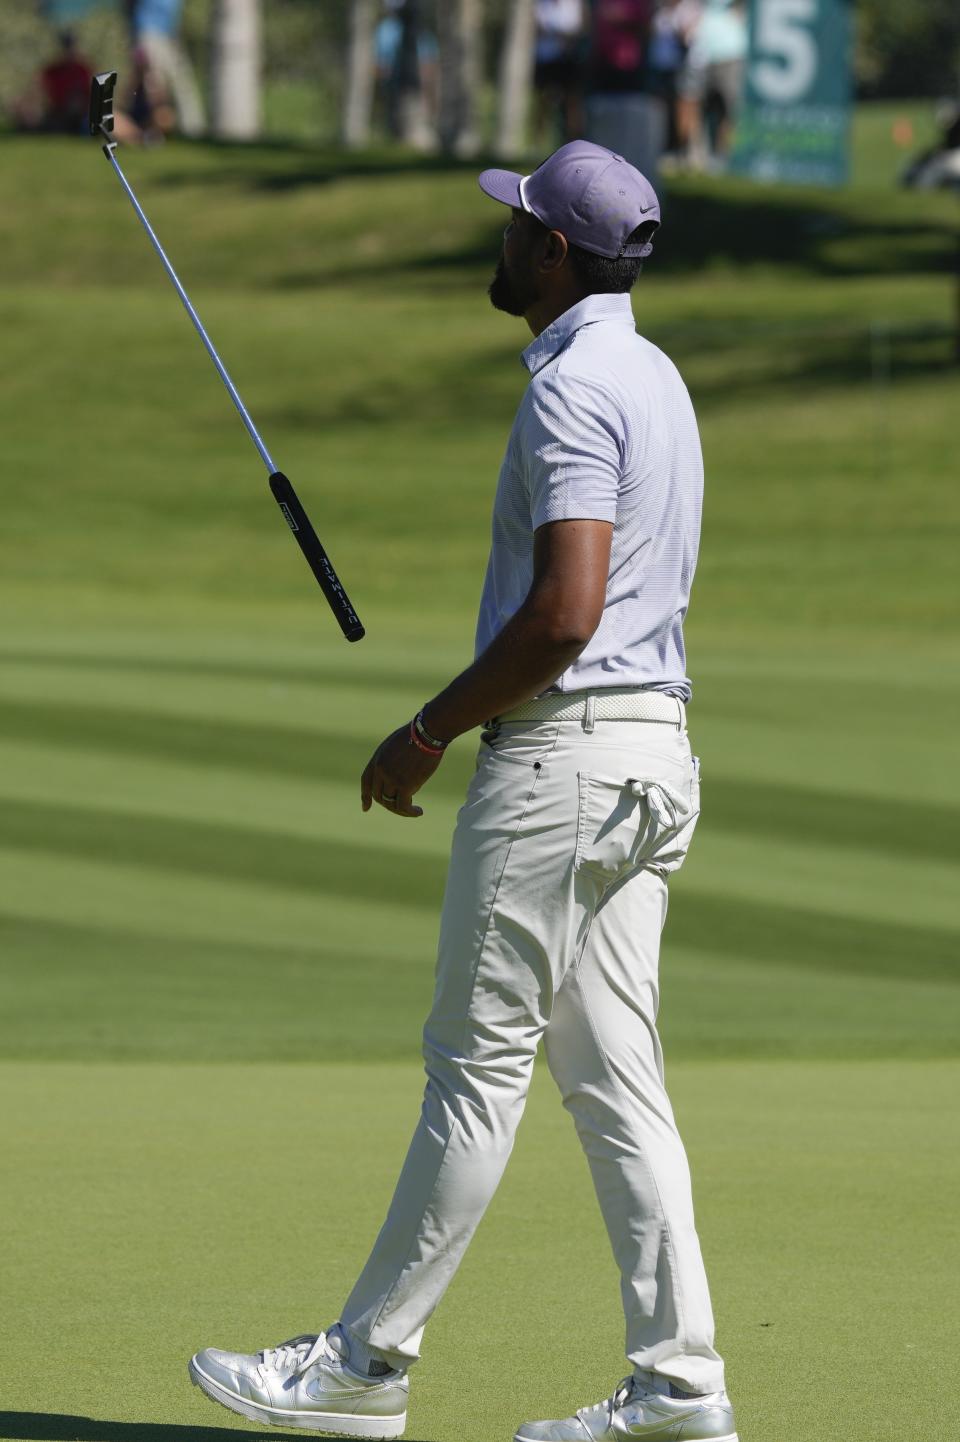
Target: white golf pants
{"type": "Point", "coordinates": [555, 901]}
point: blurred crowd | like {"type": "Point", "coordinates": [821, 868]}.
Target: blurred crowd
{"type": "Point", "coordinates": [653, 79]}
{"type": "Point", "coordinates": [659, 80]}
{"type": "Point", "coordinates": [158, 91]}
{"type": "Point", "coordinates": [650, 78]}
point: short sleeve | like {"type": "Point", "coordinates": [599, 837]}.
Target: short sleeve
{"type": "Point", "coordinates": [574, 451]}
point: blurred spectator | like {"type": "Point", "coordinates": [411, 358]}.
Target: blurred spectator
{"type": "Point", "coordinates": [558, 66]}
{"type": "Point", "coordinates": [711, 83]}
{"type": "Point", "coordinates": [406, 56]}
{"type": "Point", "coordinates": [147, 109]}
{"type": "Point", "coordinates": [59, 98]}
{"type": "Point", "coordinates": [622, 114]}
{"type": "Point", "coordinates": [66, 87]}
{"type": "Point", "coordinates": [155, 38]}
{"type": "Point", "coordinates": [620, 33]}
{"type": "Point", "coordinates": [674, 23]}
{"type": "Point", "coordinates": [939, 166]}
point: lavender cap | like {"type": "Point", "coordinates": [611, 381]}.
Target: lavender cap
{"type": "Point", "coordinates": [592, 195]}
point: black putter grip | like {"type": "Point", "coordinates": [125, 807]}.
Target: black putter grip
{"type": "Point", "coordinates": [317, 558]}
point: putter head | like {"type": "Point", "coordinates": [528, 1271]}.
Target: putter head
{"type": "Point", "coordinates": [101, 103]}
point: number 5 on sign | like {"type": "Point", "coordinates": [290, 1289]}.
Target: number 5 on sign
{"type": "Point", "coordinates": [794, 124]}
{"type": "Point", "coordinates": [785, 58]}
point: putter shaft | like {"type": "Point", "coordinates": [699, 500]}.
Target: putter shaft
{"type": "Point", "coordinates": [234, 394]}
{"type": "Point", "coordinates": [101, 123]}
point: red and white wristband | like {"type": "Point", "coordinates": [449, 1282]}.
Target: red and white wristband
{"type": "Point", "coordinates": [422, 739]}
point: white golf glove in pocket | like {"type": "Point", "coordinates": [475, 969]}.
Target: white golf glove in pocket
{"type": "Point", "coordinates": [639, 822]}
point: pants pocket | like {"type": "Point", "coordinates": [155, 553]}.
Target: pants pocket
{"type": "Point", "coordinates": [641, 821]}
{"type": "Point", "coordinates": [529, 746]}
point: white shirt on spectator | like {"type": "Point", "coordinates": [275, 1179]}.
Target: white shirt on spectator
{"type": "Point", "coordinates": [558, 22]}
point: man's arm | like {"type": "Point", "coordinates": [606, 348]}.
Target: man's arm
{"type": "Point", "coordinates": [571, 562]}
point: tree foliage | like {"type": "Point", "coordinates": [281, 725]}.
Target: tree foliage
{"type": "Point", "coordinates": [908, 50]}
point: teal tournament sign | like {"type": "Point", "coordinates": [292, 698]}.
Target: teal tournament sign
{"type": "Point", "coordinates": [795, 120]}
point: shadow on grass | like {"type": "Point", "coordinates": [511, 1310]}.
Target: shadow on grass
{"type": "Point", "coordinates": [769, 933]}
{"type": "Point", "coordinates": [713, 227]}
{"type": "Point", "coordinates": [318, 162]}
{"type": "Point", "coordinates": [764, 360]}
{"type": "Point", "coordinates": [844, 233]}
{"type": "Point", "coordinates": [318, 671]}
{"type": "Point", "coordinates": [62, 1427]}
{"type": "Point", "coordinates": [707, 222]}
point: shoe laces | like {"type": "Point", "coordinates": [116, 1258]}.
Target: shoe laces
{"type": "Point", "coordinates": [623, 1393]}
{"type": "Point", "coordinates": [621, 1396]}
{"type": "Point", "coordinates": [296, 1355]}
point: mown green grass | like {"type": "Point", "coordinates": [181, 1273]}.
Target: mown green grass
{"type": "Point", "coordinates": [177, 1206]}
{"type": "Point", "coordinates": [348, 300]}
{"type": "Point", "coordinates": [215, 968]}
{"type": "Point", "coordinates": [184, 846]}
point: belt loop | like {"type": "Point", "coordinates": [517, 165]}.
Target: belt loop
{"type": "Point", "coordinates": [681, 714]}
{"type": "Point", "coordinates": [589, 713]}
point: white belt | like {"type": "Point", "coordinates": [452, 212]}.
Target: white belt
{"type": "Point", "coordinates": [612, 703]}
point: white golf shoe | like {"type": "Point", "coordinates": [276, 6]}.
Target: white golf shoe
{"type": "Point", "coordinates": [307, 1383]}
{"type": "Point", "coordinates": [636, 1412]}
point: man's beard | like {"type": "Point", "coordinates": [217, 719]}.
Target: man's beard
{"type": "Point", "coordinates": [506, 295]}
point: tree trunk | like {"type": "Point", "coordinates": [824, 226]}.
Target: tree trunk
{"type": "Point", "coordinates": [358, 90]}
{"type": "Point", "coordinates": [516, 75]}
{"type": "Point", "coordinates": [460, 27]}
{"type": "Point", "coordinates": [235, 61]}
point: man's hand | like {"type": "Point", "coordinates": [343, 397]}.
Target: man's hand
{"type": "Point", "coordinates": [571, 562]}
{"type": "Point", "coordinates": [394, 772]}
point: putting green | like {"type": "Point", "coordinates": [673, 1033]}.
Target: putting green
{"type": "Point", "coordinates": [154, 1209]}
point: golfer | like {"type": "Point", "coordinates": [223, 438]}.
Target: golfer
{"type": "Point", "coordinates": [583, 802]}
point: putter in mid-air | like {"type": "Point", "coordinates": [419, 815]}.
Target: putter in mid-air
{"type": "Point", "coordinates": [101, 123]}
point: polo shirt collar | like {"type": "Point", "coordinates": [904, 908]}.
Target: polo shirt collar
{"type": "Point", "coordinates": [593, 308]}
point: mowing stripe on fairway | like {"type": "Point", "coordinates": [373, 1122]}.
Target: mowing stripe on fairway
{"type": "Point", "coordinates": [893, 825]}
{"type": "Point", "coordinates": [897, 888]}
{"type": "Point", "coordinates": [338, 850]}
{"type": "Point", "coordinates": [95, 991]}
